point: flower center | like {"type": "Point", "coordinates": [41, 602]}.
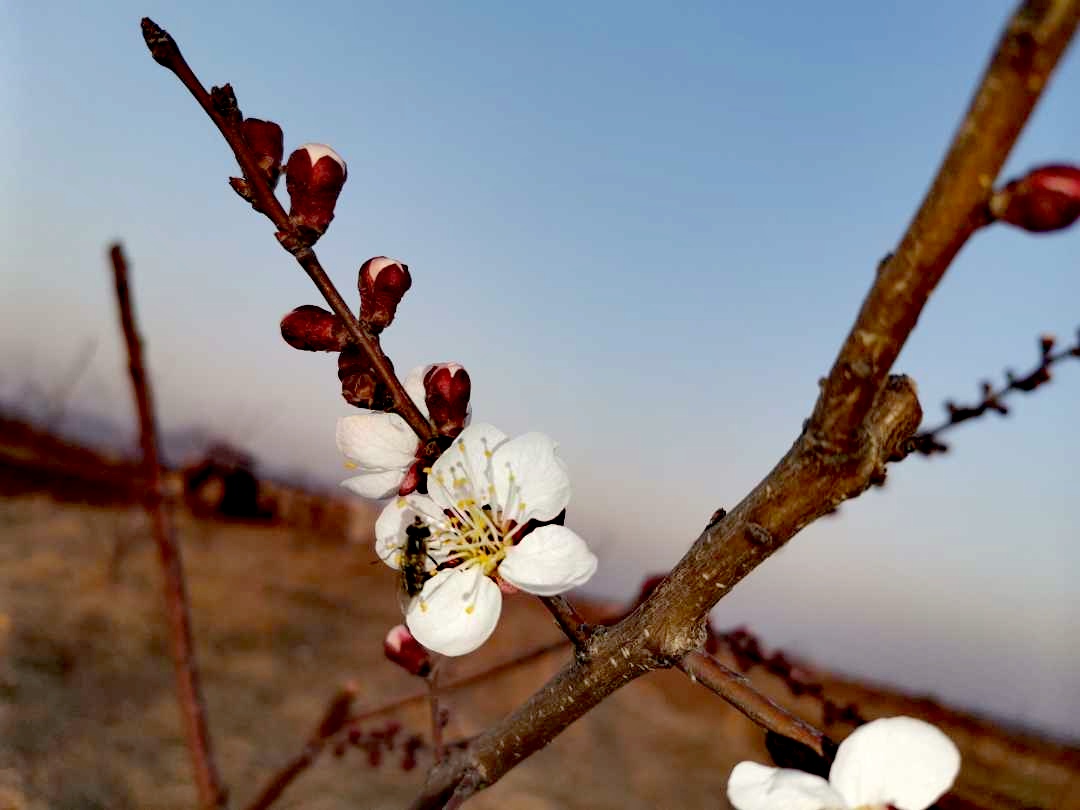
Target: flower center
{"type": "Point", "coordinates": [477, 530]}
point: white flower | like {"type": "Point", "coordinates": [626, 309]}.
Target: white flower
{"type": "Point", "coordinates": [483, 492]}
{"type": "Point", "coordinates": [381, 446]}
{"type": "Point", "coordinates": [896, 761]}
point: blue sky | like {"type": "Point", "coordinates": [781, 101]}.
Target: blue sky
{"type": "Point", "coordinates": [644, 231]}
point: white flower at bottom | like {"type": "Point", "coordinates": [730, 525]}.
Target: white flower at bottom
{"type": "Point", "coordinates": [484, 494]}
{"type": "Point", "coordinates": [900, 762]}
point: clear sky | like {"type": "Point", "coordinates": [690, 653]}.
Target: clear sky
{"type": "Point", "coordinates": [644, 229]}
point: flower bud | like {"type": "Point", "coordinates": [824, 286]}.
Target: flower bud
{"type": "Point", "coordinates": [266, 143]}
{"type": "Point", "coordinates": [446, 391]}
{"type": "Point", "coordinates": [383, 283]}
{"type": "Point", "coordinates": [1046, 199]}
{"type": "Point", "coordinates": [314, 177]}
{"type": "Point", "coordinates": [358, 384]}
{"type": "Point", "coordinates": [405, 651]}
{"type": "Point", "coordinates": [313, 329]}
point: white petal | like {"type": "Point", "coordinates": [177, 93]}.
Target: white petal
{"type": "Point", "coordinates": [896, 760]}
{"type": "Point", "coordinates": [540, 487]}
{"type": "Point", "coordinates": [756, 787]}
{"type": "Point", "coordinates": [549, 560]}
{"type": "Point", "coordinates": [395, 517]}
{"type": "Point", "coordinates": [377, 441]}
{"type": "Point", "coordinates": [376, 484]}
{"type": "Point", "coordinates": [414, 387]}
{"type": "Point", "coordinates": [456, 612]}
{"type": "Point", "coordinates": [467, 459]}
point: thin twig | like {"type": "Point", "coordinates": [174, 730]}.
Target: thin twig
{"type": "Point", "coordinates": [221, 107]}
{"type": "Point", "coordinates": [737, 690]}
{"type": "Point", "coordinates": [928, 442]}
{"type": "Point", "coordinates": [306, 758]}
{"type": "Point", "coordinates": [436, 712]}
{"type": "Point", "coordinates": [192, 707]}
{"type": "Point", "coordinates": [569, 620]}
{"type": "Point", "coordinates": [334, 718]}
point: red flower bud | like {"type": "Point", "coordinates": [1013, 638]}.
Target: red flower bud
{"type": "Point", "coordinates": [313, 329]}
{"type": "Point", "coordinates": [314, 177]}
{"type": "Point", "coordinates": [1046, 199]}
{"type": "Point", "coordinates": [267, 144]}
{"type": "Point", "coordinates": [405, 651]}
{"type": "Point", "coordinates": [358, 385]}
{"type": "Point", "coordinates": [447, 388]}
{"type": "Point", "coordinates": [383, 283]}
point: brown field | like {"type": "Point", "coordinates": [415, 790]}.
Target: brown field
{"type": "Point", "coordinates": [283, 617]}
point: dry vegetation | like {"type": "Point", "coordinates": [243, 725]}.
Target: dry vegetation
{"type": "Point", "coordinates": [282, 618]}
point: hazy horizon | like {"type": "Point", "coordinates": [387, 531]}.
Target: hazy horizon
{"type": "Point", "coordinates": [643, 233]}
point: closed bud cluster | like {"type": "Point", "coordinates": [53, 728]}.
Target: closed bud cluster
{"type": "Point", "coordinates": [314, 177]}
{"type": "Point", "coordinates": [358, 384]}
{"type": "Point", "coordinates": [383, 282]}
{"type": "Point", "coordinates": [447, 388]}
{"type": "Point", "coordinates": [405, 651]}
{"type": "Point", "coordinates": [1046, 199]}
{"type": "Point", "coordinates": [313, 329]}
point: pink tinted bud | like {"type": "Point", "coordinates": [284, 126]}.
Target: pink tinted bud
{"type": "Point", "coordinates": [447, 388]}
{"type": "Point", "coordinates": [383, 282]}
{"type": "Point", "coordinates": [314, 177]}
{"type": "Point", "coordinates": [1046, 199]}
{"type": "Point", "coordinates": [405, 651]}
{"type": "Point", "coordinates": [411, 481]}
{"type": "Point", "coordinates": [313, 329]}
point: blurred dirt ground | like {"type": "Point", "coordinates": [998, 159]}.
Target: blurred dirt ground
{"type": "Point", "coordinates": [88, 717]}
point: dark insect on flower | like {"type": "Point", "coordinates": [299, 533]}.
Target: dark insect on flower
{"type": "Point", "coordinates": [414, 559]}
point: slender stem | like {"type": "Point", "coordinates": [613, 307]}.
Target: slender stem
{"type": "Point", "coordinates": [334, 718]}
{"type": "Point", "coordinates": [307, 756]}
{"type": "Point", "coordinates": [226, 116]}
{"type": "Point", "coordinates": [737, 690]}
{"type": "Point", "coordinates": [436, 713]}
{"type": "Point", "coordinates": [569, 620]}
{"type": "Point", "coordinates": [928, 441]}
{"type": "Point", "coordinates": [192, 707]}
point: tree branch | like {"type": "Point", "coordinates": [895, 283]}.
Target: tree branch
{"type": "Point", "coordinates": [861, 420]}
{"type": "Point", "coordinates": [928, 442]}
{"type": "Point", "coordinates": [335, 717]}
{"type": "Point", "coordinates": [737, 690]}
{"type": "Point", "coordinates": [221, 107]}
{"type": "Point", "coordinates": [192, 708]}
{"type": "Point", "coordinates": [954, 208]}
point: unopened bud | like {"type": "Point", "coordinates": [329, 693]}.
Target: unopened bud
{"type": "Point", "coordinates": [314, 177]}
{"type": "Point", "coordinates": [358, 384]}
{"type": "Point", "coordinates": [313, 329]}
{"type": "Point", "coordinates": [446, 391]}
{"type": "Point", "coordinates": [405, 651]}
{"type": "Point", "coordinates": [1046, 199]}
{"type": "Point", "coordinates": [383, 283]}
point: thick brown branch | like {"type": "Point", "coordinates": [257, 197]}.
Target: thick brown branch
{"type": "Point", "coordinates": [228, 119]}
{"type": "Point", "coordinates": [862, 419]}
{"type": "Point", "coordinates": [192, 708]}
{"type": "Point", "coordinates": [737, 690]}
{"type": "Point", "coordinates": [954, 208]}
